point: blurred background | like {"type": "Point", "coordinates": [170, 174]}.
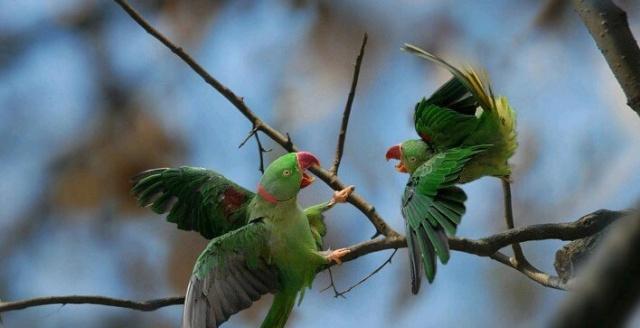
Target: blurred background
{"type": "Point", "coordinates": [88, 99]}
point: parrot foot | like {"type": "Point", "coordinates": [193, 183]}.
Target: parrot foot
{"type": "Point", "coordinates": [337, 255]}
{"type": "Point", "coordinates": [342, 195]}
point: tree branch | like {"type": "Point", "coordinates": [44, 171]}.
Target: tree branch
{"type": "Point", "coordinates": [609, 28]}
{"type": "Point", "coordinates": [508, 215]}
{"type": "Point", "coordinates": [347, 109]}
{"type": "Point", "coordinates": [583, 227]}
{"type": "Point", "coordinates": [261, 150]}
{"type": "Point", "coordinates": [486, 247]}
{"type": "Point", "coordinates": [285, 141]}
{"type": "Point", "coordinates": [149, 305]}
{"type": "Point", "coordinates": [608, 288]}
{"type": "Point", "coordinates": [489, 246]}
{"type": "Point", "coordinates": [337, 293]}
{"type": "Point", "coordinates": [530, 271]}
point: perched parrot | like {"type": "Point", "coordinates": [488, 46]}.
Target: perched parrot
{"type": "Point", "coordinates": [465, 133]}
{"type": "Point", "coordinates": [261, 243]}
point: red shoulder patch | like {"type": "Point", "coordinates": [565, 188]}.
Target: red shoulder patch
{"type": "Point", "coordinates": [232, 200]}
{"type": "Point", "coordinates": [425, 137]}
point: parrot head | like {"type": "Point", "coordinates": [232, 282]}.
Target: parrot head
{"type": "Point", "coordinates": [284, 177]}
{"type": "Point", "coordinates": [410, 154]}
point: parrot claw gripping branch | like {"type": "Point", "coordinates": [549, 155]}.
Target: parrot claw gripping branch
{"type": "Point", "coordinates": [252, 252]}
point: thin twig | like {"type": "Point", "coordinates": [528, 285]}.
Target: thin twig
{"type": "Point", "coordinates": [261, 152]}
{"type": "Point", "coordinates": [332, 284]}
{"type": "Point", "coordinates": [149, 305]}
{"type": "Point", "coordinates": [249, 135]}
{"type": "Point", "coordinates": [347, 109]}
{"type": "Point", "coordinates": [285, 141]}
{"type": "Point", "coordinates": [544, 279]}
{"type": "Point", "coordinates": [508, 215]}
{"type": "Point", "coordinates": [388, 261]}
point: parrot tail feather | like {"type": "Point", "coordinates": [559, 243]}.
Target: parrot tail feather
{"type": "Point", "coordinates": [415, 260]}
{"type": "Point", "coordinates": [279, 312]}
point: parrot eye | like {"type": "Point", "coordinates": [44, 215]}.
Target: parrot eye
{"type": "Point", "coordinates": [412, 159]}
{"type": "Point", "coordinates": [286, 173]}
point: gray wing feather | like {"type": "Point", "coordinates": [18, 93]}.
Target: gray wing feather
{"type": "Point", "coordinates": [226, 291]}
{"type": "Point", "coordinates": [232, 283]}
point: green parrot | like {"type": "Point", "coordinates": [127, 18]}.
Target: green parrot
{"type": "Point", "coordinates": [261, 243]}
{"type": "Point", "coordinates": [465, 133]}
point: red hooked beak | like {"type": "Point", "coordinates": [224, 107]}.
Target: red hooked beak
{"type": "Point", "coordinates": [395, 152]}
{"type": "Point", "coordinates": [305, 161]}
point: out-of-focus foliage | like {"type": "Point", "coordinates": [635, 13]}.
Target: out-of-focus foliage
{"type": "Point", "coordinates": [87, 99]}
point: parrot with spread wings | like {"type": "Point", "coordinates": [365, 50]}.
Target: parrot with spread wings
{"type": "Point", "coordinates": [261, 243]}
{"type": "Point", "coordinates": [465, 133]}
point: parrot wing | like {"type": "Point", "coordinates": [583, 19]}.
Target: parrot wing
{"type": "Point", "coordinates": [195, 198]}
{"type": "Point", "coordinates": [432, 207]}
{"type": "Point", "coordinates": [494, 125]}
{"type": "Point", "coordinates": [476, 83]}
{"type": "Point", "coordinates": [316, 222]}
{"type": "Point", "coordinates": [231, 273]}
{"type": "Point", "coordinates": [442, 127]}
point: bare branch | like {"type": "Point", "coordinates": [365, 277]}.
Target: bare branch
{"type": "Point", "coordinates": [347, 109]}
{"type": "Point", "coordinates": [261, 152]}
{"type": "Point", "coordinates": [486, 247]}
{"type": "Point", "coordinates": [609, 28]}
{"type": "Point", "coordinates": [571, 258]}
{"type": "Point", "coordinates": [149, 305]}
{"type": "Point", "coordinates": [361, 281]}
{"type": "Point", "coordinates": [583, 227]}
{"type": "Point", "coordinates": [530, 271]}
{"type": "Point", "coordinates": [608, 288]}
{"type": "Point", "coordinates": [489, 246]}
{"type": "Point", "coordinates": [508, 215]}
{"type": "Point", "coordinates": [285, 141]}
{"type": "Point", "coordinates": [251, 133]}
{"type": "Point", "coordinates": [332, 285]}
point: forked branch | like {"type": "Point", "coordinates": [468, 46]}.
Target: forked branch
{"type": "Point", "coordinates": [285, 141]}
{"type": "Point", "coordinates": [487, 247]}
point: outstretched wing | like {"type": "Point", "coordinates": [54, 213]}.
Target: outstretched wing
{"type": "Point", "coordinates": [432, 207]}
{"type": "Point", "coordinates": [195, 198]}
{"type": "Point", "coordinates": [449, 110]}
{"type": "Point", "coordinates": [449, 114]}
{"type": "Point", "coordinates": [231, 274]}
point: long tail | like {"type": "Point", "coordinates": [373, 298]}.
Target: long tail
{"type": "Point", "coordinates": [476, 82]}
{"type": "Point", "coordinates": [415, 260]}
{"type": "Point", "coordinates": [279, 312]}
